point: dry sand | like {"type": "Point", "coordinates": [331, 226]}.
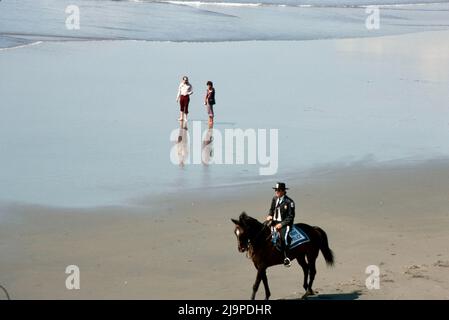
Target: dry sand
{"type": "Point", "coordinates": [393, 215]}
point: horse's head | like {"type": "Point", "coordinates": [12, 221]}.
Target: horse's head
{"type": "Point", "coordinates": [242, 235]}
{"type": "Point", "coordinates": [245, 230]}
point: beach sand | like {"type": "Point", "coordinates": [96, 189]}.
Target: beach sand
{"type": "Point", "coordinates": [168, 234]}
{"type": "Point", "coordinates": [393, 215]}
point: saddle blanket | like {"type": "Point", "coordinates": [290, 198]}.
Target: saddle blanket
{"type": "Point", "coordinates": [297, 237]}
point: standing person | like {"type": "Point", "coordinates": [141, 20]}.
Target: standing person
{"type": "Point", "coordinates": [184, 92]}
{"type": "Point", "coordinates": [209, 102]}
{"type": "Point", "coordinates": [282, 213]}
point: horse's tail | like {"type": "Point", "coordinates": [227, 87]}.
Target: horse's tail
{"type": "Point", "coordinates": [324, 247]}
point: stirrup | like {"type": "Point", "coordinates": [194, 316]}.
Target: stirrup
{"type": "Point", "coordinates": [287, 262]}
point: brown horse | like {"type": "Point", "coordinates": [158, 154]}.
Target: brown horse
{"type": "Point", "coordinates": [255, 238]}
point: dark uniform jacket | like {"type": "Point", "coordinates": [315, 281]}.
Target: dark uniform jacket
{"type": "Point", "coordinates": [287, 210]}
{"type": "Point", "coordinates": [210, 97]}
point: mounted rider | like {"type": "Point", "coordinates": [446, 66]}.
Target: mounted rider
{"type": "Point", "coordinates": [282, 214]}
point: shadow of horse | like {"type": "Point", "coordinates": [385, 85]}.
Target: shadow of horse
{"type": "Point", "coordinates": [354, 295]}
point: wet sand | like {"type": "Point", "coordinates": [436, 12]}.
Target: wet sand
{"type": "Point", "coordinates": [385, 99]}
{"type": "Point", "coordinates": [102, 135]}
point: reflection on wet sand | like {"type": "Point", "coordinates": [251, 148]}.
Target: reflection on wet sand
{"type": "Point", "coordinates": [183, 143]}
{"type": "Point", "coordinates": [208, 146]}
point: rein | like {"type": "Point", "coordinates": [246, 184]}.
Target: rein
{"type": "Point", "coordinates": [265, 225]}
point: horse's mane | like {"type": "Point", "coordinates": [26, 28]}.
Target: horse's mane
{"type": "Point", "coordinates": [253, 228]}
{"type": "Point", "coordinates": [249, 222]}
{"type": "Point", "coordinates": [253, 224]}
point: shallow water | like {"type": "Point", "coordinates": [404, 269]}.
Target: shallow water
{"type": "Point", "coordinates": [87, 123]}
{"type": "Point", "coordinates": [27, 21]}
{"type": "Point", "coordinates": [90, 124]}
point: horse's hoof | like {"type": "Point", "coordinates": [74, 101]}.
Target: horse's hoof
{"type": "Point", "coordinates": [309, 292]}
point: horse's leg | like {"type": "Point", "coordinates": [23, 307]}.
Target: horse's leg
{"type": "Point", "coordinates": [265, 284]}
{"type": "Point", "coordinates": [312, 272]}
{"type": "Point", "coordinates": [305, 268]}
{"type": "Point", "coordinates": [256, 284]}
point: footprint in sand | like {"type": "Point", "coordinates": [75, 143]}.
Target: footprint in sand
{"type": "Point", "coordinates": [386, 276]}
{"type": "Point", "coordinates": [417, 271]}
{"type": "Point", "coordinates": [441, 263]}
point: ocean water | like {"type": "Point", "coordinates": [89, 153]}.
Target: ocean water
{"type": "Point", "coordinates": [27, 21]}
{"type": "Point", "coordinates": [86, 121]}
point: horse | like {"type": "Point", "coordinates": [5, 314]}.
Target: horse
{"type": "Point", "coordinates": [254, 237]}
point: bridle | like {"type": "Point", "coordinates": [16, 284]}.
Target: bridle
{"type": "Point", "coordinates": [249, 245]}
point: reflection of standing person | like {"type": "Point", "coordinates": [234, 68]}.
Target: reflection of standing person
{"type": "Point", "coordinates": [183, 145]}
{"type": "Point", "coordinates": [184, 92]}
{"type": "Point", "coordinates": [209, 101]}
{"type": "Point", "coordinates": [208, 149]}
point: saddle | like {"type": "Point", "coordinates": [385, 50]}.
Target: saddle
{"type": "Point", "coordinates": [297, 237]}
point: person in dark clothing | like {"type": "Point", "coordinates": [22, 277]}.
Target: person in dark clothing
{"type": "Point", "coordinates": [282, 215]}
{"type": "Point", "coordinates": [209, 102]}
